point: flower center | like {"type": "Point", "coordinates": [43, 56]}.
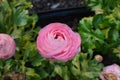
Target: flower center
{"type": "Point", "coordinates": [58, 35]}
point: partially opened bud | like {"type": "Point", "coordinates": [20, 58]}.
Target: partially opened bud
{"type": "Point", "coordinates": [7, 46]}
{"type": "Point", "coordinates": [99, 58]}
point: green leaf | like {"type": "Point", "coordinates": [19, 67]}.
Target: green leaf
{"type": "Point", "coordinates": [65, 73]}
{"type": "Point", "coordinates": [1, 67]}
{"type": "Point", "coordinates": [1, 64]}
{"type": "Point", "coordinates": [97, 19]}
{"type": "Point", "coordinates": [76, 62]}
{"type": "Point", "coordinates": [92, 37]}
{"type": "Point", "coordinates": [62, 71]}
{"type": "Point", "coordinates": [22, 4]}
{"type": "Point", "coordinates": [86, 24]}
{"type": "Point", "coordinates": [118, 55]}
{"type": "Point", "coordinates": [31, 72]}
{"type": "Point", "coordinates": [58, 70]}
{"type": "Point", "coordinates": [117, 12]}
{"type": "Point", "coordinates": [37, 61]}
{"type": "Point", "coordinates": [16, 33]}
{"type": "Point", "coordinates": [99, 36]}
{"type": "Point", "coordinates": [20, 18]}
{"type": "Point", "coordinates": [114, 34]}
{"type": "Point", "coordinates": [83, 67]}
{"type": "Point", "coordinates": [94, 4]}
{"type": "Point", "coordinates": [9, 64]}
{"type": "Point", "coordinates": [43, 74]}
{"type": "Point", "coordinates": [75, 65]}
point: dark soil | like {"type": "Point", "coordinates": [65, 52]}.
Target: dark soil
{"type": "Point", "coordinates": [64, 11]}
{"type": "Point", "coordinates": [47, 5]}
{"type": "Point", "coordinates": [14, 76]}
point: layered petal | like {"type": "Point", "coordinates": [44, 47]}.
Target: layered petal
{"type": "Point", "coordinates": [7, 46]}
{"type": "Point", "coordinates": [57, 41]}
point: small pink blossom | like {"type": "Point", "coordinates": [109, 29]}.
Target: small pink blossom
{"type": "Point", "coordinates": [57, 41]}
{"type": "Point", "coordinates": [7, 46]}
{"type": "Point", "coordinates": [111, 72]}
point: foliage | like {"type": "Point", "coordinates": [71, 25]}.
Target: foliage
{"type": "Point", "coordinates": [15, 21]}
{"type": "Point", "coordinates": [82, 67]}
{"type": "Point", "coordinates": [101, 32]}
{"type": "Point", "coordinates": [105, 6]}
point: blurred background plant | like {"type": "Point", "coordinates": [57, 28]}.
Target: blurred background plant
{"type": "Point", "coordinates": [99, 33]}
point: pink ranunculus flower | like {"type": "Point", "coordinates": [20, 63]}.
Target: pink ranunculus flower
{"type": "Point", "coordinates": [7, 46]}
{"type": "Point", "coordinates": [111, 72]}
{"type": "Point", "coordinates": [57, 41]}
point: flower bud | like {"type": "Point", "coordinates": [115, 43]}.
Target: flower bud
{"type": "Point", "coordinates": [99, 58]}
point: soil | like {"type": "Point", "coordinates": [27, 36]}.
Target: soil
{"type": "Point", "coordinates": [14, 76]}
{"type": "Point", "coordinates": [63, 11]}
{"type": "Point", "coordinates": [47, 5]}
